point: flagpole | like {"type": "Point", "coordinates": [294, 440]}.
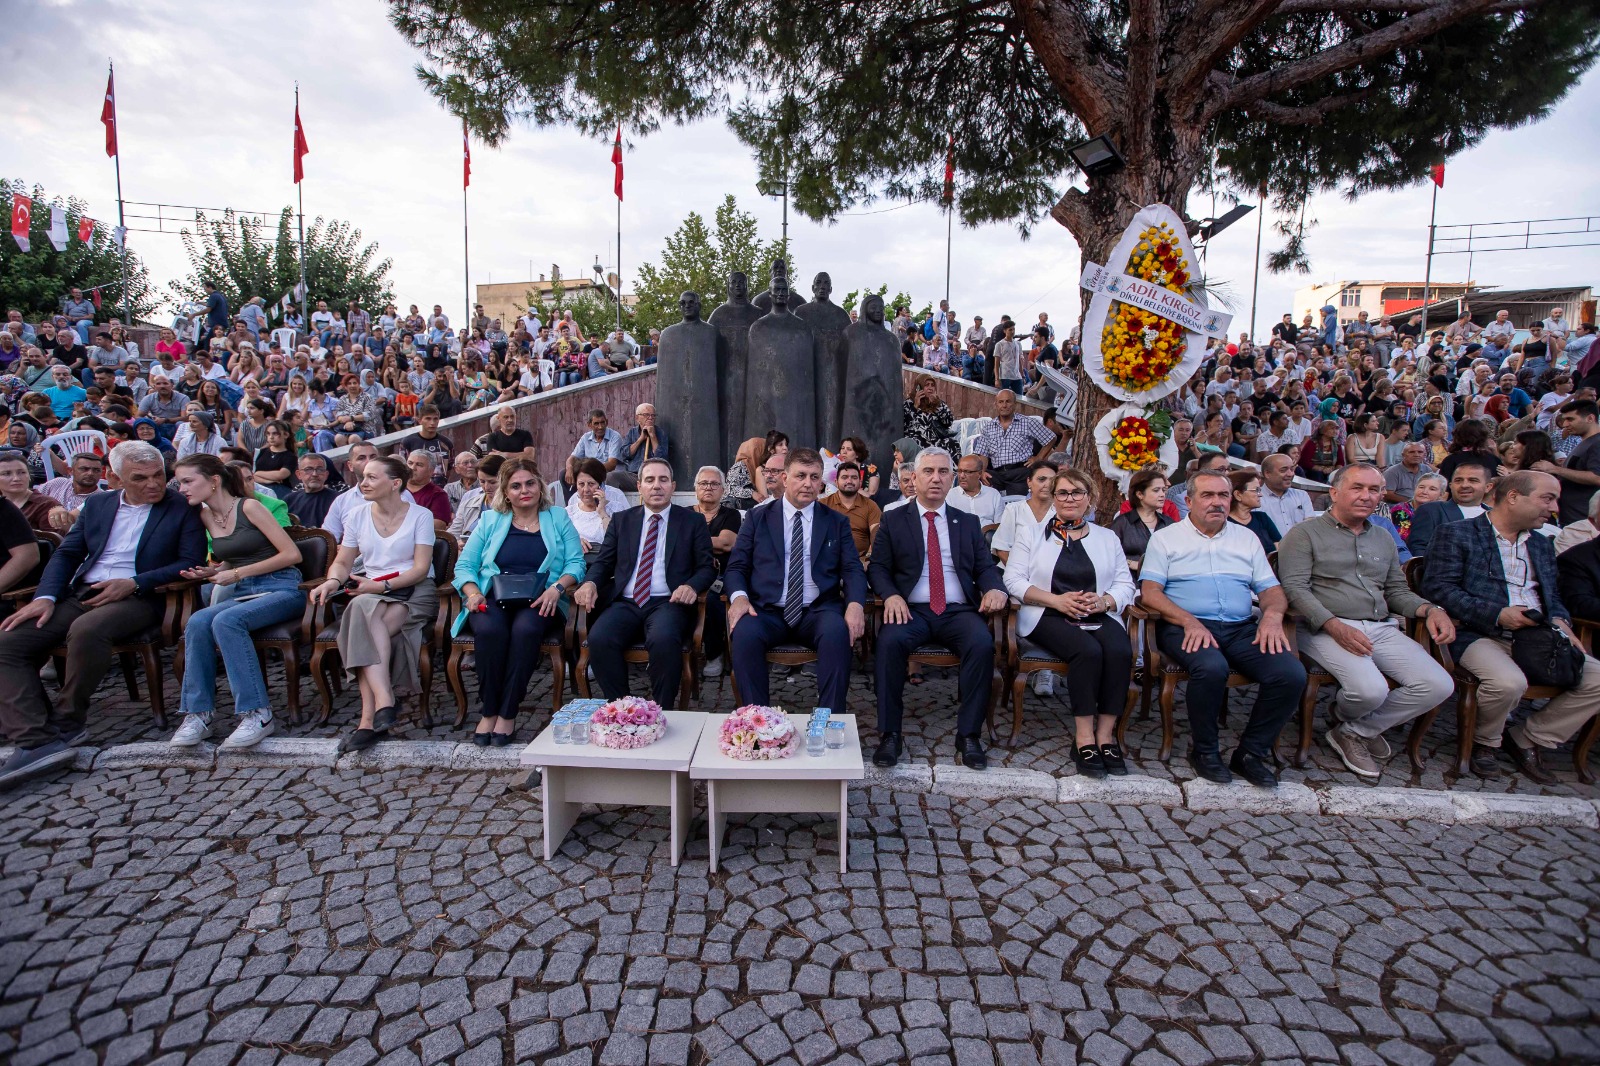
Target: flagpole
{"type": "Point", "coordinates": [619, 263]}
{"type": "Point", "coordinates": [1427, 273]}
{"type": "Point", "coordinates": [122, 222]}
{"type": "Point", "coordinates": [300, 189]}
{"type": "Point", "coordinates": [1255, 285]}
{"type": "Point", "coordinates": [949, 230]}
{"type": "Point", "coordinates": [466, 275]}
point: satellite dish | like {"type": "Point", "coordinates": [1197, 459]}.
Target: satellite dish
{"type": "Point", "coordinates": [614, 281]}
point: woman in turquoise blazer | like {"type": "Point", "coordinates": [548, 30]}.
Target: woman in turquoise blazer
{"type": "Point", "coordinates": [520, 533]}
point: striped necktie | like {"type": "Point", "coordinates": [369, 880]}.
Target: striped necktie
{"type": "Point", "coordinates": [647, 563]}
{"type": "Point", "coordinates": [794, 587]}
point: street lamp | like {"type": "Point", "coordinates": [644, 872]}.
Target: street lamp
{"type": "Point", "coordinates": [1097, 156]}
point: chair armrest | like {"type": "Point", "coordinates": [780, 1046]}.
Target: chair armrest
{"type": "Point", "coordinates": [699, 624]}
{"type": "Point", "coordinates": [1010, 642]}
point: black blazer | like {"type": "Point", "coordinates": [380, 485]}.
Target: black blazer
{"type": "Point", "coordinates": [173, 541]}
{"type": "Point", "coordinates": [901, 545]}
{"type": "Point", "coordinates": [1579, 570]}
{"type": "Point", "coordinates": [1426, 520]}
{"type": "Point", "coordinates": [1464, 575]}
{"type": "Point", "coordinates": [687, 547]}
{"type": "Point", "coordinates": [756, 565]}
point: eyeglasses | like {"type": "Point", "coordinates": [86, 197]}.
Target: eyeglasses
{"type": "Point", "coordinates": [1071, 494]}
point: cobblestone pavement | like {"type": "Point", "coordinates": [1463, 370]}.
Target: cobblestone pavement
{"type": "Point", "coordinates": [1045, 743]}
{"type": "Point", "coordinates": [265, 915]}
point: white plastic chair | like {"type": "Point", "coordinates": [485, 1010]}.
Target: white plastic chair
{"type": "Point", "coordinates": [967, 431]}
{"type": "Point", "coordinates": [65, 445]}
{"type": "Point", "coordinates": [285, 338]}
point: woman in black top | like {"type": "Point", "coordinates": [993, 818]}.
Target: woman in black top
{"type": "Point", "coordinates": [1246, 498]}
{"type": "Point", "coordinates": [1471, 437]}
{"type": "Point", "coordinates": [1147, 495]}
{"type": "Point", "coordinates": [276, 461]}
{"type": "Point", "coordinates": [723, 524]}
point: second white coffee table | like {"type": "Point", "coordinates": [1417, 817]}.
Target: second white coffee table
{"type": "Point", "coordinates": [801, 784]}
{"type": "Point", "coordinates": [653, 776]}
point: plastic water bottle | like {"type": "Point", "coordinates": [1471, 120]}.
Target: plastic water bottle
{"type": "Point", "coordinates": [580, 728]}
{"type": "Point", "coordinates": [835, 733]}
{"type": "Point", "coordinates": [814, 741]}
{"type": "Point", "coordinates": [562, 727]}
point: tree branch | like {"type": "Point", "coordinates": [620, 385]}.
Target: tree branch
{"type": "Point", "coordinates": [1062, 40]}
{"type": "Point", "coordinates": [1351, 53]}
{"type": "Point", "coordinates": [1336, 7]}
{"type": "Point", "coordinates": [1145, 23]}
{"type": "Point", "coordinates": [1214, 30]}
{"type": "Point", "coordinates": [1302, 116]}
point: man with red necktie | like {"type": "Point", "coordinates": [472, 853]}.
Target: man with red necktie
{"type": "Point", "coordinates": [651, 569]}
{"type": "Point", "coordinates": [937, 578]}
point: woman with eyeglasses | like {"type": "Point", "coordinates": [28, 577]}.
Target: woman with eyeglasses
{"type": "Point", "coordinates": [1074, 584]}
{"type": "Point", "coordinates": [1242, 512]}
{"type": "Point", "coordinates": [710, 488]}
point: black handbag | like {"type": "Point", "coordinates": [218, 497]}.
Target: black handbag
{"type": "Point", "coordinates": [516, 588]}
{"type": "Point", "coordinates": [1546, 657]}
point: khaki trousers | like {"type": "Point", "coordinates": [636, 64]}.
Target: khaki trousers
{"type": "Point", "coordinates": [1500, 688]}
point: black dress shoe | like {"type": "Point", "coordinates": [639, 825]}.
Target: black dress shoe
{"type": "Point", "coordinates": [384, 718]}
{"type": "Point", "coordinates": [481, 739]}
{"type": "Point", "coordinates": [1253, 768]}
{"type": "Point", "coordinates": [1486, 761]}
{"type": "Point", "coordinates": [888, 753]}
{"type": "Point", "coordinates": [360, 740]}
{"type": "Point", "coordinates": [1111, 755]}
{"type": "Point", "coordinates": [1527, 760]}
{"type": "Point", "coordinates": [1089, 762]}
{"type": "Point", "coordinates": [972, 753]}
{"type": "Point", "coordinates": [501, 740]}
{"type": "Point", "coordinates": [1209, 765]}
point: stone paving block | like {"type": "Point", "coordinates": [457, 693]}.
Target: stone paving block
{"type": "Point", "coordinates": [1133, 789]}
{"type": "Point", "coordinates": [156, 754]}
{"type": "Point", "coordinates": [905, 777]}
{"type": "Point", "coordinates": [1397, 803]}
{"type": "Point", "coordinates": [1509, 811]}
{"type": "Point", "coordinates": [283, 751]}
{"type": "Point", "coordinates": [1244, 798]}
{"type": "Point", "coordinates": [471, 757]}
{"type": "Point", "coordinates": [999, 782]}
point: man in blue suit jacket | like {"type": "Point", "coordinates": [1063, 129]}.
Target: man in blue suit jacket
{"type": "Point", "coordinates": [942, 602]}
{"type": "Point", "coordinates": [98, 590]}
{"type": "Point", "coordinates": [658, 604]}
{"type": "Point", "coordinates": [1489, 572]}
{"type": "Point", "coordinates": [815, 596]}
{"type": "Point", "coordinates": [1469, 482]}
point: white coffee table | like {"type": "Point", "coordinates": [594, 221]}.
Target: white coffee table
{"type": "Point", "coordinates": [801, 784]}
{"type": "Point", "coordinates": [652, 776]}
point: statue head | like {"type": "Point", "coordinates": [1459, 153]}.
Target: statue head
{"type": "Point", "coordinates": [738, 287]}
{"type": "Point", "coordinates": [780, 283]}
{"type": "Point", "coordinates": [821, 287]}
{"type": "Point", "coordinates": [689, 306]}
{"type": "Point", "coordinates": [872, 307]}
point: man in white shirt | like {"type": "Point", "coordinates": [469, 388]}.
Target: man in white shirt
{"type": "Point", "coordinates": [530, 322]}
{"type": "Point", "coordinates": [973, 496]}
{"type": "Point", "coordinates": [908, 486]}
{"type": "Point", "coordinates": [1286, 505]}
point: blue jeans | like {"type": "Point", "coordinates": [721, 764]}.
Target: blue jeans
{"type": "Point", "coordinates": [1014, 384]}
{"type": "Point", "coordinates": [225, 629]}
{"type": "Point", "coordinates": [81, 327]}
{"type": "Point", "coordinates": [568, 377]}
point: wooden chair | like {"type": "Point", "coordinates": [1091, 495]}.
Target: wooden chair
{"type": "Point", "coordinates": [326, 643]}
{"type": "Point", "coordinates": [1024, 659]}
{"type": "Point", "coordinates": [557, 647]}
{"type": "Point", "coordinates": [317, 549]}
{"type": "Point", "coordinates": [1585, 740]}
{"type": "Point", "coordinates": [638, 654]}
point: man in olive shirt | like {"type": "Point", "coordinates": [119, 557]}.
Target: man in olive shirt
{"type": "Point", "coordinates": [863, 514]}
{"type": "Point", "coordinates": [1344, 582]}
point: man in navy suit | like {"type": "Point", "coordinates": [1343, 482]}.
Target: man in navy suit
{"type": "Point", "coordinates": [1469, 483]}
{"type": "Point", "coordinates": [651, 570]}
{"type": "Point", "coordinates": [794, 578]}
{"type": "Point", "coordinates": [98, 590]}
{"type": "Point", "coordinates": [936, 577]}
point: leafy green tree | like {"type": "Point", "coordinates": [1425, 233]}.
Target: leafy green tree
{"type": "Point", "coordinates": [851, 103]}
{"type": "Point", "coordinates": [35, 282]}
{"type": "Point", "coordinates": [853, 298]}
{"type": "Point", "coordinates": [699, 259]}
{"type": "Point", "coordinates": [592, 309]}
{"type": "Point", "coordinates": [243, 259]}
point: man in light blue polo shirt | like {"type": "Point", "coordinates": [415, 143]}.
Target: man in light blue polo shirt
{"type": "Point", "coordinates": [601, 443]}
{"type": "Point", "coordinates": [1199, 576]}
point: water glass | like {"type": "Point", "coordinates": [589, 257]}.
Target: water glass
{"type": "Point", "coordinates": [562, 727]}
{"type": "Point", "coordinates": [580, 729]}
{"type": "Point", "coordinates": [814, 741]}
{"type": "Point", "coordinates": [835, 733]}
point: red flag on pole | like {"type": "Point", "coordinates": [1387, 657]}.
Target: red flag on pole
{"type": "Point", "coordinates": [94, 294]}
{"type": "Point", "coordinates": [301, 149]}
{"type": "Point", "coordinates": [950, 171]}
{"type": "Point", "coordinates": [1438, 174]}
{"type": "Point", "coordinates": [616, 157]}
{"type": "Point", "coordinates": [21, 219]}
{"type": "Point", "coordinates": [85, 229]}
{"type": "Point", "coordinates": [466, 156]}
{"type": "Point", "coordinates": [108, 115]}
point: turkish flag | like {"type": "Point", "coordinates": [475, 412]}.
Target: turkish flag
{"type": "Point", "coordinates": [94, 294]}
{"type": "Point", "coordinates": [1438, 174]}
{"type": "Point", "coordinates": [466, 156]}
{"type": "Point", "coordinates": [21, 220]}
{"type": "Point", "coordinates": [108, 115]}
{"type": "Point", "coordinates": [301, 149]}
{"type": "Point", "coordinates": [950, 171]}
{"type": "Point", "coordinates": [85, 229]}
{"type": "Point", "coordinates": [616, 157]}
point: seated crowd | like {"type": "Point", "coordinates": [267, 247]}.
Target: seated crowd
{"type": "Point", "coordinates": [1426, 545]}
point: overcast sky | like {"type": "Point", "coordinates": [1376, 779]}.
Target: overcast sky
{"type": "Point", "coordinates": [205, 108]}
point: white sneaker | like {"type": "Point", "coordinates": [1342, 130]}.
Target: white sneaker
{"type": "Point", "coordinates": [193, 730]}
{"type": "Point", "coordinates": [1044, 683]}
{"type": "Point", "coordinates": [250, 732]}
{"type": "Point", "coordinates": [714, 667]}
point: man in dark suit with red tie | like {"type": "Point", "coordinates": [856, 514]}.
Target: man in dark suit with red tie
{"type": "Point", "coordinates": [937, 579]}
{"type": "Point", "coordinates": [794, 578]}
{"type": "Point", "coordinates": [649, 573]}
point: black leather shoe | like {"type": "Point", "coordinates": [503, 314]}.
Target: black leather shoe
{"type": "Point", "coordinates": [501, 740]}
{"type": "Point", "coordinates": [1209, 766]}
{"type": "Point", "coordinates": [888, 753]}
{"type": "Point", "coordinates": [1111, 755]}
{"type": "Point", "coordinates": [1089, 763]}
{"type": "Point", "coordinates": [1527, 760]}
{"type": "Point", "coordinates": [360, 740]}
{"type": "Point", "coordinates": [1253, 768]}
{"type": "Point", "coordinates": [972, 753]}
{"type": "Point", "coordinates": [481, 739]}
{"type": "Point", "coordinates": [383, 719]}
{"type": "Point", "coordinates": [1486, 761]}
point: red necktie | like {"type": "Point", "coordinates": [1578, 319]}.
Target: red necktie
{"type": "Point", "coordinates": [935, 567]}
{"type": "Point", "coordinates": [647, 563]}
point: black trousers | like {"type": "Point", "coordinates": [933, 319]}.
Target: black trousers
{"type": "Point", "coordinates": [1010, 480]}
{"type": "Point", "coordinates": [961, 629]}
{"type": "Point", "coordinates": [665, 627]}
{"type": "Point", "coordinates": [1100, 661]}
{"type": "Point", "coordinates": [506, 640]}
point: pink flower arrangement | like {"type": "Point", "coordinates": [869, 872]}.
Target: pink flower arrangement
{"type": "Point", "coordinates": [754, 732]}
{"type": "Point", "coordinates": [627, 723]}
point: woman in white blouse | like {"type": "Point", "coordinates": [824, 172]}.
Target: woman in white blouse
{"type": "Point", "coordinates": [1074, 584]}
